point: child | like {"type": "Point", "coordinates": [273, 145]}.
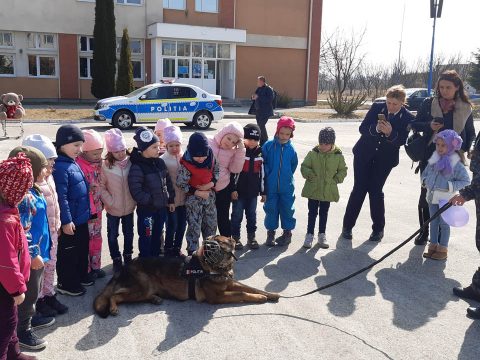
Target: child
{"type": "Point", "coordinates": [152, 189]}
{"type": "Point", "coordinates": [74, 202]}
{"type": "Point", "coordinates": [33, 216]}
{"type": "Point", "coordinates": [116, 197]}
{"type": "Point", "coordinates": [16, 178]}
{"type": "Point", "coordinates": [229, 151]}
{"type": "Point", "coordinates": [323, 168]}
{"type": "Point", "coordinates": [90, 161]}
{"type": "Point", "coordinates": [444, 175]}
{"type": "Point", "coordinates": [47, 303]}
{"type": "Point", "coordinates": [280, 161]}
{"type": "Point", "coordinates": [246, 187]}
{"type": "Point", "coordinates": [177, 220]}
{"type": "Point", "coordinates": [197, 175]}
{"type": "Point", "coordinates": [159, 131]}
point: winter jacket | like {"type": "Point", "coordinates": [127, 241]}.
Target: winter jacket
{"type": "Point", "coordinates": [323, 171]}
{"type": "Point", "coordinates": [375, 146]}
{"type": "Point", "coordinates": [173, 164]}
{"type": "Point", "coordinates": [280, 163]}
{"type": "Point", "coordinates": [14, 257]}
{"type": "Point", "coordinates": [149, 182]}
{"type": "Point", "coordinates": [92, 173]}
{"type": "Point", "coordinates": [115, 193]}
{"type": "Point", "coordinates": [264, 101]}
{"type": "Point", "coordinates": [53, 210]}
{"type": "Point", "coordinates": [251, 181]}
{"type": "Point", "coordinates": [72, 191]}
{"type": "Point", "coordinates": [441, 187]}
{"type": "Point", "coordinates": [33, 216]}
{"type": "Point", "coordinates": [472, 191]}
{"type": "Point", "coordinates": [231, 160]}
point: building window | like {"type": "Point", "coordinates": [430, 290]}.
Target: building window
{"type": "Point", "coordinates": [7, 65]}
{"type": "Point", "coordinates": [6, 39]}
{"type": "Point", "coordinates": [137, 69]}
{"type": "Point", "coordinates": [174, 4]}
{"type": "Point", "coordinates": [183, 48]}
{"type": "Point", "coordinates": [86, 67]}
{"type": "Point", "coordinates": [210, 50]}
{"type": "Point", "coordinates": [135, 46]}
{"type": "Point", "coordinates": [210, 6]}
{"type": "Point", "coordinates": [209, 69]}
{"type": "Point", "coordinates": [197, 49]}
{"type": "Point", "coordinates": [130, 2]}
{"type": "Point", "coordinates": [169, 68]}
{"type": "Point", "coordinates": [41, 41]}
{"type": "Point", "coordinates": [169, 48]}
{"type": "Point", "coordinates": [224, 51]}
{"type": "Point", "coordinates": [196, 68]}
{"type": "Point", "coordinates": [39, 65]}
{"type": "Point", "coordinates": [183, 68]}
{"type": "Point", "coordinates": [87, 44]}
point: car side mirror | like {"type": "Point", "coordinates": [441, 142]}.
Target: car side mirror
{"type": "Point", "coordinates": [143, 97]}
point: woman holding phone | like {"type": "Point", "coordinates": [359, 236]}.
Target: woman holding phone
{"type": "Point", "coordinates": [383, 131]}
{"type": "Point", "coordinates": [448, 109]}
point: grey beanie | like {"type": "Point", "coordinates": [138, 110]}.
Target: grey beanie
{"type": "Point", "coordinates": [326, 136]}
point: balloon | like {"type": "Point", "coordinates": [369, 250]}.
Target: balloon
{"type": "Point", "coordinates": [456, 216]}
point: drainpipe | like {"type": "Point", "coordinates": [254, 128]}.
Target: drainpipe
{"type": "Point", "coordinates": [309, 51]}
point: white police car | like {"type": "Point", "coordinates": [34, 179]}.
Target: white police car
{"type": "Point", "coordinates": [179, 102]}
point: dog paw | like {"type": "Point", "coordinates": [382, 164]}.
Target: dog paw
{"type": "Point", "coordinates": [273, 297]}
{"type": "Point", "coordinates": [114, 311]}
{"type": "Point", "coordinates": [156, 300]}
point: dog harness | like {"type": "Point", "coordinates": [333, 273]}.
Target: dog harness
{"type": "Point", "coordinates": [192, 270]}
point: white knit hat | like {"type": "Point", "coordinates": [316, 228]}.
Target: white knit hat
{"type": "Point", "coordinates": [172, 133]}
{"type": "Point", "coordinates": [162, 124]}
{"type": "Point", "coordinates": [42, 143]}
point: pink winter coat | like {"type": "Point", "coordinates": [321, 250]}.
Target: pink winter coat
{"type": "Point", "coordinates": [49, 191]}
{"type": "Point", "coordinates": [231, 160]}
{"type": "Point", "coordinates": [173, 163]}
{"type": "Point", "coordinates": [115, 194]}
{"type": "Point", "coordinates": [92, 171]}
{"type": "Point", "coordinates": [14, 255]}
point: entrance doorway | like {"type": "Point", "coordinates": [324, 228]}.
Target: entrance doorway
{"type": "Point", "coordinates": [225, 79]}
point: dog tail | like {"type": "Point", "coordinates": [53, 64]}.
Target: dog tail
{"type": "Point", "coordinates": [101, 305]}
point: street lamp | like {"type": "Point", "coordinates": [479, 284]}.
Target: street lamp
{"type": "Point", "coordinates": [435, 12]}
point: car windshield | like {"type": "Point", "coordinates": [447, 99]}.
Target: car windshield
{"type": "Point", "coordinates": [410, 91]}
{"type": "Point", "coordinates": [138, 91]}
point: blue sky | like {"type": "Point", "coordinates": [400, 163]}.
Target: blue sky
{"type": "Point", "coordinates": [458, 30]}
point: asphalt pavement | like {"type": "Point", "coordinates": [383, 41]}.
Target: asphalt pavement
{"type": "Point", "coordinates": [401, 309]}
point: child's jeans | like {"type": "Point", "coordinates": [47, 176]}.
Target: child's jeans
{"type": "Point", "coordinates": [176, 226]}
{"type": "Point", "coordinates": [438, 225]}
{"type": "Point", "coordinates": [249, 205]}
{"type": "Point", "coordinates": [113, 224]}
{"type": "Point", "coordinates": [319, 208]}
{"type": "Point", "coordinates": [150, 227]}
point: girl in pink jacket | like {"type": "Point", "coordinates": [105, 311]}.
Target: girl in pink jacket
{"type": "Point", "coordinates": [116, 197]}
{"type": "Point", "coordinates": [16, 178]}
{"type": "Point", "coordinates": [229, 150]}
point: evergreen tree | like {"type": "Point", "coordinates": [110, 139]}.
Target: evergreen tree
{"type": "Point", "coordinates": [125, 68]}
{"type": "Point", "coordinates": [474, 78]}
{"type": "Point", "coordinates": [104, 53]}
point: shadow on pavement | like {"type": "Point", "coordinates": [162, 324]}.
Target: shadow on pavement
{"type": "Point", "coordinates": [339, 263]}
{"type": "Point", "coordinates": [417, 288]}
{"type": "Point", "coordinates": [470, 346]}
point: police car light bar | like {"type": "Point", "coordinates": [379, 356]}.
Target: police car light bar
{"type": "Point", "coordinates": [167, 81]}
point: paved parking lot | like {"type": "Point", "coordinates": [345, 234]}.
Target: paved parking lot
{"type": "Point", "coordinates": [401, 309]}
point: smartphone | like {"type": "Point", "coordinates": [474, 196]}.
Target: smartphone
{"type": "Point", "coordinates": [381, 117]}
{"type": "Point", "coordinates": [438, 120]}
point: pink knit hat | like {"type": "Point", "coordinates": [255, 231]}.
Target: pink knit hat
{"type": "Point", "coordinates": [285, 121]}
{"type": "Point", "coordinates": [93, 140]}
{"type": "Point", "coordinates": [162, 124]}
{"type": "Point", "coordinates": [172, 133]}
{"type": "Point", "coordinates": [114, 140]}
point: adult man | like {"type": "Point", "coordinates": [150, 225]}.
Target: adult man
{"type": "Point", "coordinates": [263, 106]}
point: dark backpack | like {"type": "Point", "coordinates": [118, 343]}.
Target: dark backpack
{"type": "Point", "coordinates": [274, 99]}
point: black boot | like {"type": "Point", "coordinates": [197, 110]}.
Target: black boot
{"type": "Point", "coordinates": [472, 291]}
{"type": "Point", "coordinates": [43, 308]}
{"type": "Point", "coordinates": [346, 234]}
{"type": "Point", "coordinates": [53, 302]}
{"type": "Point", "coordinates": [423, 216]}
{"type": "Point", "coordinates": [127, 259]}
{"type": "Point", "coordinates": [117, 265]}
{"type": "Point", "coordinates": [473, 312]}
{"type": "Point", "coordinates": [376, 236]}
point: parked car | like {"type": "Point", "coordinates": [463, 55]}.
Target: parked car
{"type": "Point", "coordinates": [415, 97]}
{"type": "Point", "coordinates": [182, 103]}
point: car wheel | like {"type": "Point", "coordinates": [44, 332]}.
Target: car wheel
{"type": "Point", "coordinates": [202, 120]}
{"type": "Point", "coordinates": [123, 120]}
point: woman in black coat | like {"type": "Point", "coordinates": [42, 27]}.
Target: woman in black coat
{"type": "Point", "coordinates": [384, 131]}
{"type": "Point", "coordinates": [448, 109]}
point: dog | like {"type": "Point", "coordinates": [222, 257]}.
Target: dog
{"type": "Point", "coordinates": [206, 276]}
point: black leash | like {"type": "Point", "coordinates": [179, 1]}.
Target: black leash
{"type": "Point", "coordinates": [437, 214]}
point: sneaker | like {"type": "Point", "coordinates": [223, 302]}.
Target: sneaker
{"type": "Point", "coordinates": [29, 340]}
{"type": "Point", "coordinates": [376, 236]}
{"type": "Point", "coordinates": [53, 302]}
{"type": "Point", "coordinates": [307, 244]}
{"type": "Point", "coordinates": [473, 312]}
{"type": "Point", "coordinates": [322, 241]}
{"type": "Point", "coordinates": [43, 308]}
{"type": "Point", "coordinates": [251, 241]}
{"type": "Point", "coordinates": [270, 238]}
{"type": "Point", "coordinates": [238, 243]}
{"type": "Point", "coordinates": [77, 291]}
{"type": "Point", "coordinates": [40, 322]}
{"type": "Point", "coordinates": [285, 238]}
{"type": "Point", "coordinates": [99, 273]}
{"type": "Point", "coordinates": [117, 265]}
{"type": "Point", "coordinates": [89, 280]}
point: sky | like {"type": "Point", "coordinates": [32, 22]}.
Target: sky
{"type": "Point", "coordinates": [457, 31]}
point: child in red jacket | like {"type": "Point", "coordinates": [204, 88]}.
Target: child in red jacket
{"type": "Point", "coordinates": [16, 178]}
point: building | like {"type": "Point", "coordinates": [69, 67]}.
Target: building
{"type": "Point", "coordinates": [46, 46]}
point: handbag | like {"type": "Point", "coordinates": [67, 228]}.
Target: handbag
{"type": "Point", "coordinates": [416, 146]}
{"type": "Point", "coordinates": [252, 110]}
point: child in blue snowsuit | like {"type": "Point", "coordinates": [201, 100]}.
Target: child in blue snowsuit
{"type": "Point", "coordinates": [280, 163]}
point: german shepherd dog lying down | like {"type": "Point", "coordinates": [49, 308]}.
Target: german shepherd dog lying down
{"type": "Point", "coordinates": [205, 276]}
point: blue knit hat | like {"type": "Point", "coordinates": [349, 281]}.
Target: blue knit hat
{"type": "Point", "coordinates": [198, 145]}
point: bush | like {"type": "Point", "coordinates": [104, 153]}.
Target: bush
{"type": "Point", "coordinates": [125, 68]}
{"type": "Point", "coordinates": [283, 100]}
{"type": "Point", "coordinates": [344, 105]}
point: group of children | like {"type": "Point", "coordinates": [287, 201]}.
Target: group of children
{"type": "Point", "coordinates": [52, 197]}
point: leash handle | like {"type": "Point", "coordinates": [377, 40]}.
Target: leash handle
{"type": "Point", "coordinates": [398, 247]}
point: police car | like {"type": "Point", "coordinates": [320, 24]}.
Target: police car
{"type": "Point", "coordinates": [179, 102]}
